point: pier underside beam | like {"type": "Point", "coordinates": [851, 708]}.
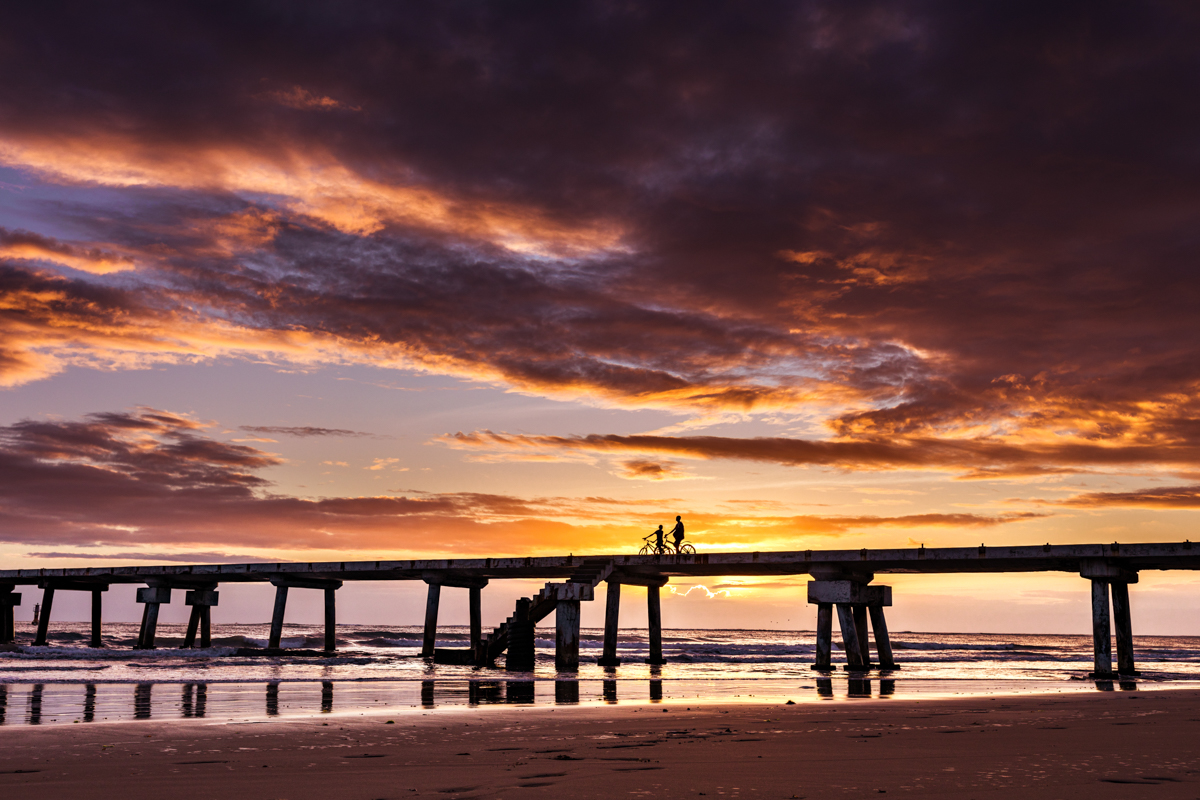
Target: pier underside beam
{"type": "Point", "coordinates": [612, 613]}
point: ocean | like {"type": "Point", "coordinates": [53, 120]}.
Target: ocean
{"type": "Point", "coordinates": [379, 671]}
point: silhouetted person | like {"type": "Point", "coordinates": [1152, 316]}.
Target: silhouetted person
{"type": "Point", "coordinates": [677, 532]}
{"type": "Point", "coordinates": [658, 538]}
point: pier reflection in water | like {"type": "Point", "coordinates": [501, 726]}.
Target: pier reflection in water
{"type": "Point", "coordinates": [92, 702]}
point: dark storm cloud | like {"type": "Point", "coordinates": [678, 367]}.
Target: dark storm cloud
{"type": "Point", "coordinates": [921, 219]}
{"type": "Point", "coordinates": [301, 430]}
{"type": "Point", "coordinates": [1166, 497]}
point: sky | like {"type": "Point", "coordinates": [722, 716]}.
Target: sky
{"type": "Point", "coordinates": [306, 282]}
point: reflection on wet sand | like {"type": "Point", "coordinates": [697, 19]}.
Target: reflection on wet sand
{"type": "Point", "coordinates": [195, 698]}
{"type": "Point", "coordinates": [566, 693]}
{"type": "Point", "coordinates": [326, 697]}
{"type": "Point", "coordinates": [141, 700]}
{"type": "Point", "coordinates": [90, 702]}
{"type": "Point", "coordinates": [35, 705]}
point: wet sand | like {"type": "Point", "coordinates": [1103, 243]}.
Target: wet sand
{"type": "Point", "coordinates": [1119, 745]}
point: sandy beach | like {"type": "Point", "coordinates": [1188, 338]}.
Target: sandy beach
{"type": "Point", "coordinates": [1107, 744]}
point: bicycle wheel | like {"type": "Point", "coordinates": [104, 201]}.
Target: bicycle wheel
{"type": "Point", "coordinates": [646, 550]}
{"type": "Point", "coordinates": [687, 550]}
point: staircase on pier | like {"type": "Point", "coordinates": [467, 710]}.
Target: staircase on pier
{"type": "Point", "coordinates": [516, 634]}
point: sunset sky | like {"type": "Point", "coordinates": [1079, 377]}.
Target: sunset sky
{"type": "Point", "coordinates": [298, 282]}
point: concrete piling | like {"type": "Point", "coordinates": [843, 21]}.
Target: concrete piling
{"type": "Point", "coordinates": [9, 600]}
{"type": "Point", "coordinates": [1101, 630]}
{"type": "Point", "coordinates": [44, 620]}
{"type": "Point", "coordinates": [431, 617]}
{"type": "Point", "coordinates": [201, 600]}
{"type": "Point", "coordinates": [824, 636]}
{"type": "Point", "coordinates": [276, 635]}
{"type": "Point", "coordinates": [566, 649]}
{"type": "Point", "coordinates": [654, 615]}
{"type": "Point", "coordinates": [864, 640]}
{"type": "Point", "coordinates": [1124, 628]}
{"type": "Point", "coordinates": [883, 643]}
{"type": "Point", "coordinates": [612, 613]}
{"type": "Point", "coordinates": [475, 601]}
{"type": "Point", "coordinates": [330, 620]}
{"type": "Point", "coordinates": [152, 597]}
{"type": "Point", "coordinates": [97, 617]}
{"type": "Point", "coordinates": [850, 644]}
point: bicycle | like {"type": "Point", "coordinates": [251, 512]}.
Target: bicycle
{"type": "Point", "coordinates": [652, 549]}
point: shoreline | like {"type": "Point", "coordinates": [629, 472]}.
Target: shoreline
{"type": "Point", "coordinates": [1080, 744]}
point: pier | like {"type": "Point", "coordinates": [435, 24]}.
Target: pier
{"type": "Point", "coordinates": [841, 582]}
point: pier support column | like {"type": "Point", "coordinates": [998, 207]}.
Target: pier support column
{"type": "Point", "coordinates": [1105, 572]}
{"type": "Point", "coordinates": [864, 638]}
{"type": "Point", "coordinates": [654, 619]}
{"type": "Point", "coordinates": [850, 643]}
{"type": "Point", "coordinates": [201, 600]}
{"type": "Point", "coordinates": [612, 613]}
{"type": "Point", "coordinates": [431, 616]}
{"type": "Point", "coordinates": [854, 599]}
{"type": "Point", "coordinates": [566, 640]}
{"type": "Point", "coordinates": [475, 601]}
{"type": "Point", "coordinates": [206, 626]}
{"type": "Point", "coordinates": [1101, 631]}
{"type": "Point", "coordinates": [44, 620]}
{"type": "Point", "coordinates": [824, 636]}
{"type": "Point", "coordinates": [9, 600]}
{"type": "Point", "coordinates": [1124, 628]}
{"type": "Point", "coordinates": [521, 655]}
{"type": "Point", "coordinates": [276, 635]}
{"type": "Point", "coordinates": [330, 620]}
{"type": "Point", "coordinates": [97, 617]}
{"type": "Point", "coordinates": [152, 597]}
{"type": "Point", "coordinates": [883, 643]}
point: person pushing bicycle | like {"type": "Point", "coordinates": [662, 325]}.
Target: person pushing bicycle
{"type": "Point", "coordinates": [657, 535]}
